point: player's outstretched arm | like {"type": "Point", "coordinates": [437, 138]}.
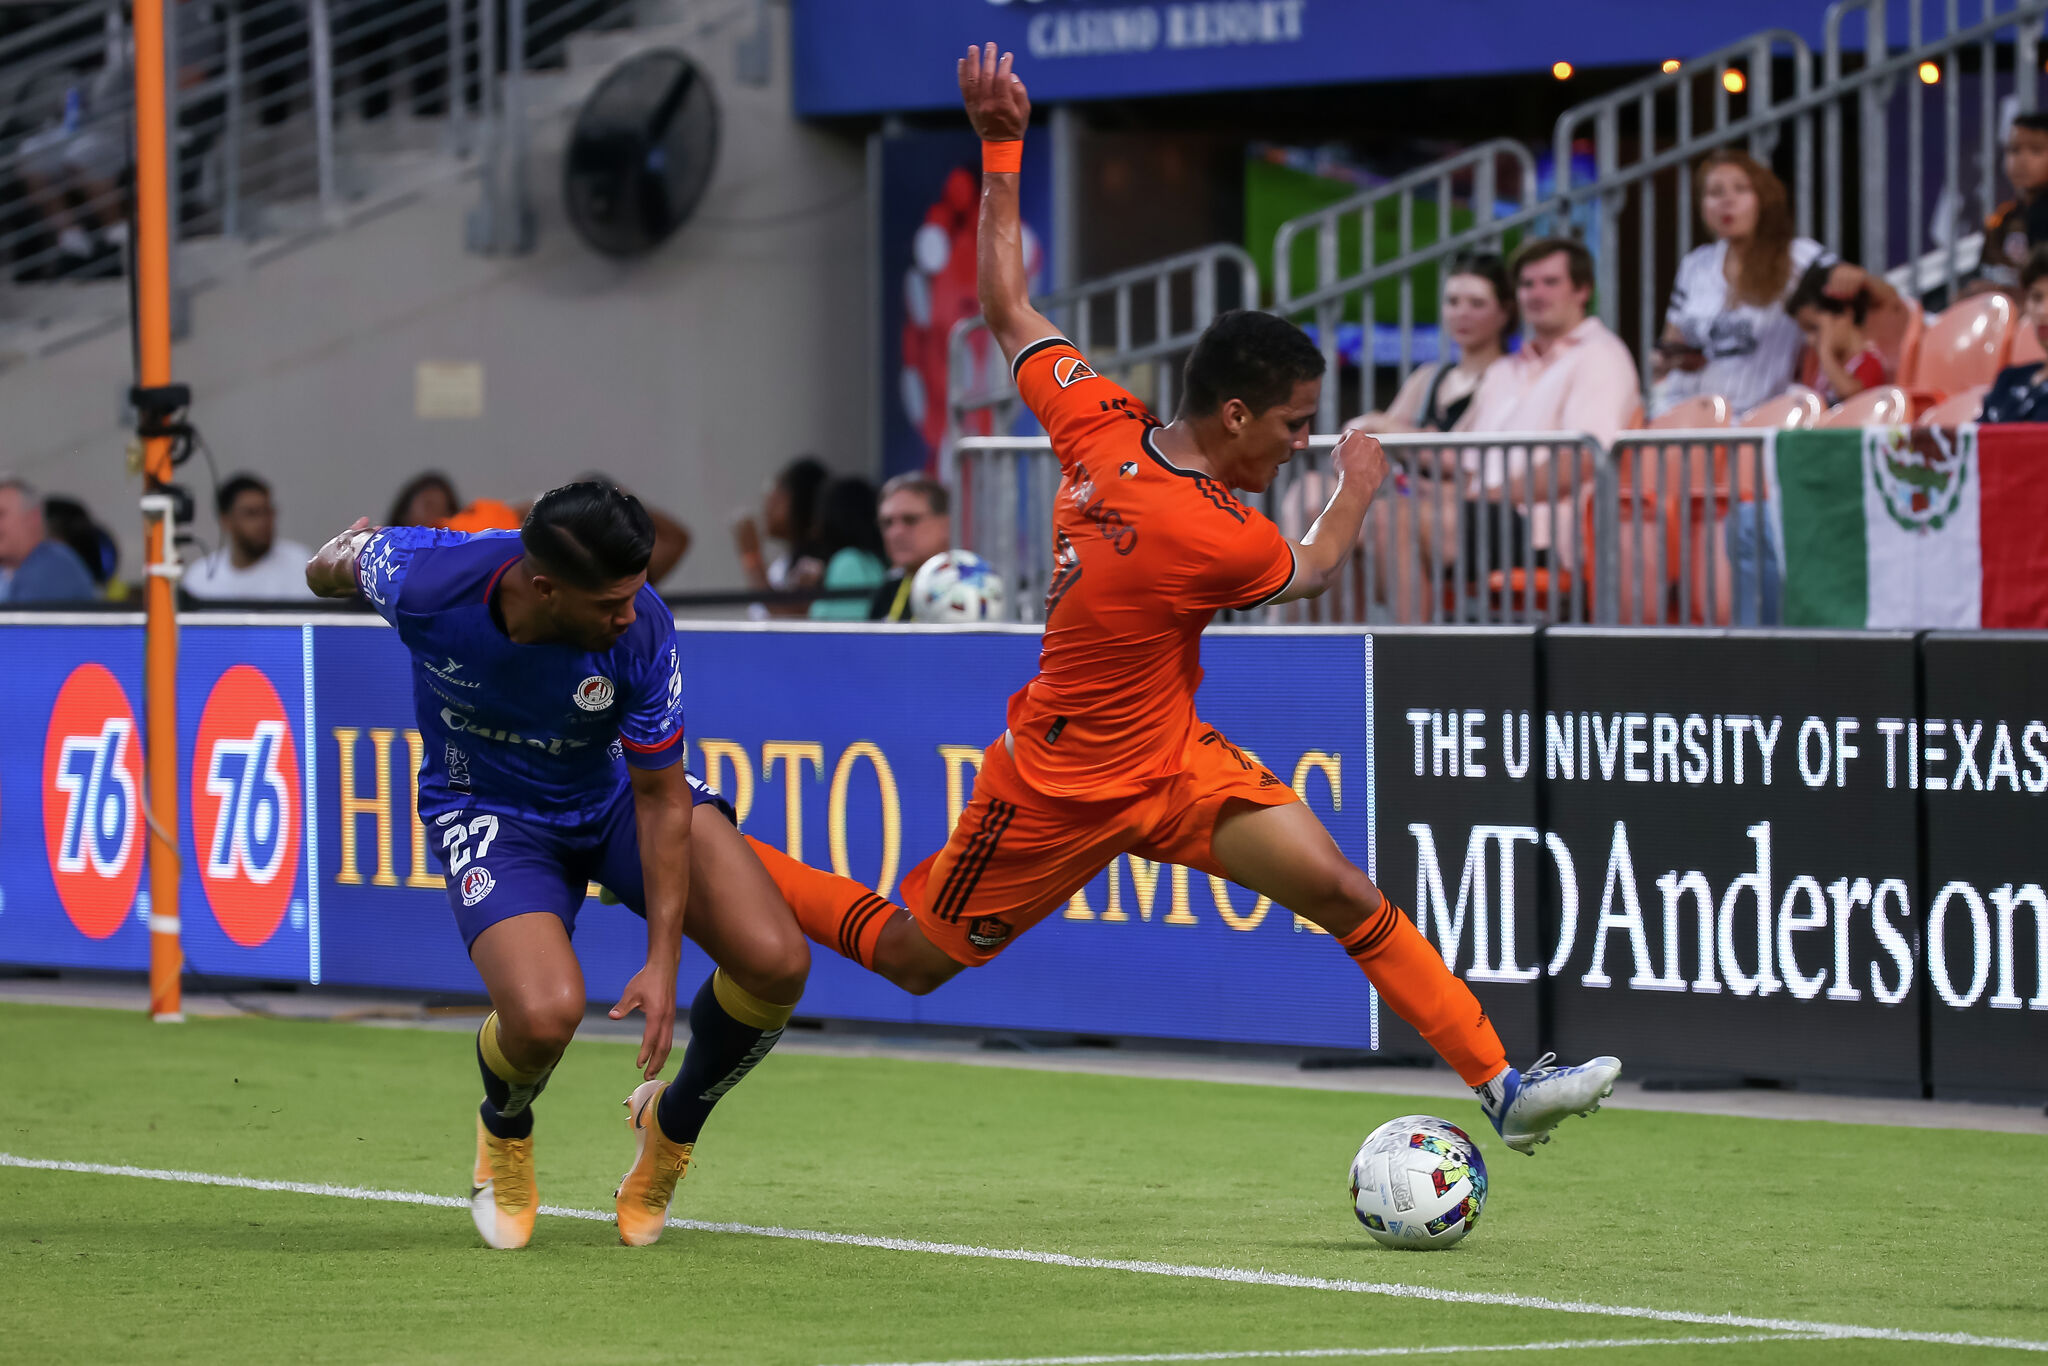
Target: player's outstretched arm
{"type": "Point", "coordinates": [1000, 110]}
{"type": "Point", "coordinates": [331, 573]}
{"type": "Point", "coordinates": [1360, 466]}
{"type": "Point", "coordinates": [661, 811]}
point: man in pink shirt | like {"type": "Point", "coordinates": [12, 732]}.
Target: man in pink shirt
{"type": "Point", "coordinates": [1571, 375]}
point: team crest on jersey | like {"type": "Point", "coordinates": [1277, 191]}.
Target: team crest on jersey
{"type": "Point", "coordinates": [476, 885]}
{"type": "Point", "coordinates": [1071, 370]}
{"type": "Point", "coordinates": [987, 932]}
{"type": "Point", "coordinates": [1127, 470]}
{"type": "Point", "coordinates": [594, 693]}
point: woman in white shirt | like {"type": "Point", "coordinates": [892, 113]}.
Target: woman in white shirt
{"type": "Point", "coordinates": [1726, 331]}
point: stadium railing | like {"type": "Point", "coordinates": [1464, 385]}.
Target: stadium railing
{"type": "Point", "coordinates": [1434, 549]}
{"type": "Point", "coordinates": [310, 111]}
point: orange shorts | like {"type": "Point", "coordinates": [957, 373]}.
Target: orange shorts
{"type": "Point", "coordinates": [1017, 855]}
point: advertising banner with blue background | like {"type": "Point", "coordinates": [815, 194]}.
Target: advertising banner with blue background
{"type": "Point", "coordinates": [875, 56]}
{"type": "Point", "coordinates": [1722, 855]}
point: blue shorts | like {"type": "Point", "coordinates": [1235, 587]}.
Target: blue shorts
{"type": "Point", "coordinates": [501, 866]}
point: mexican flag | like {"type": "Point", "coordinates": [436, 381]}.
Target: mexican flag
{"type": "Point", "coordinates": [1912, 527]}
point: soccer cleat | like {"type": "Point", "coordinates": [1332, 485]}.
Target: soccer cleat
{"type": "Point", "coordinates": [502, 1196]}
{"type": "Point", "coordinates": [1526, 1106]}
{"type": "Point", "coordinates": [658, 1164]}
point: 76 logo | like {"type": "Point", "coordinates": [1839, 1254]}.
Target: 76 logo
{"type": "Point", "coordinates": [99, 800]}
{"type": "Point", "coordinates": [250, 832]}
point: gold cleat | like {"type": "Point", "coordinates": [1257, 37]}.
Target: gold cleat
{"type": "Point", "coordinates": [502, 1197]}
{"type": "Point", "coordinates": [647, 1187]}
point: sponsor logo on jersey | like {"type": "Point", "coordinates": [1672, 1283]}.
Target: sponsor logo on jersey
{"type": "Point", "coordinates": [92, 800]}
{"type": "Point", "coordinates": [553, 744]}
{"type": "Point", "coordinates": [246, 807]}
{"type": "Point", "coordinates": [1070, 370]}
{"type": "Point", "coordinates": [594, 693]}
{"type": "Point", "coordinates": [987, 932]}
{"type": "Point", "coordinates": [476, 885]}
{"type": "Point", "coordinates": [446, 673]}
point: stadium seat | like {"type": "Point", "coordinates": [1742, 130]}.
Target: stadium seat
{"type": "Point", "coordinates": [1957, 408]}
{"type": "Point", "coordinates": [1881, 405]}
{"type": "Point", "coordinates": [1898, 333]}
{"type": "Point", "coordinates": [1701, 410]}
{"type": "Point", "coordinates": [1967, 344]}
{"type": "Point", "coordinates": [1798, 406]}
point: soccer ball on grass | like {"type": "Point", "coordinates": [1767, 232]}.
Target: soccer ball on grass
{"type": "Point", "coordinates": [1418, 1183]}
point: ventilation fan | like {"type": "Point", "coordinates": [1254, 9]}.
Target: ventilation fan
{"type": "Point", "coordinates": [640, 154]}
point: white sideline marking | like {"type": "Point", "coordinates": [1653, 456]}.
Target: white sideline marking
{"type": "Point", "coordinates": [1358, 1353]}
{"type": "Point", "coordinates": [1231, 1274]}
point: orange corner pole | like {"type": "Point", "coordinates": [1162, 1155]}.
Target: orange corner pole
{"type": "Point", "coordinates": [152, 265]}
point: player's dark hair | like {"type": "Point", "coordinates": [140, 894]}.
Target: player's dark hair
{"type": "Point", "coordinates": [588, 534]}
{"type": "Point", "coordinates": [2033, 123]}
{"type": "Point", "coordinates": [1579, 261]}
{"type": "Point", "coordinates": [846, 519]}
{"type": "Point", "coordinates": [1812, 292]}
{"type": "Point", "coordinates": [1256, 358]}
{"type": "Point", "coordinates": [401, 506]}
{"type": "Point", "coordinates": [934, 493]}
{"type": "Point", "coordinates": [2035, 267]}
{"type": "Point", "coordinates": [233, 487]}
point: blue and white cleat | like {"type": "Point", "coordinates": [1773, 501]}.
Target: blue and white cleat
{"type": "Point", "coordinates": [1526, 1106]}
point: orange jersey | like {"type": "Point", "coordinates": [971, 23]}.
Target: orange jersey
{"type": "Point", "coordinates": [1146, 554]}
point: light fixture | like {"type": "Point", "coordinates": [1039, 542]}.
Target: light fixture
{"type": "Point", "coordinates": [1671, 64]}
{"type": "Point", "coordinates": [1733, 81]}
{"type": "Point", "coordinates": [1561, 70]}
{"type": "Point", "coordinates": [1930, 73]}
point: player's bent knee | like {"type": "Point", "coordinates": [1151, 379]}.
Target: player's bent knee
{"type": "Point", "coordinates": [539, 1029]}
{"type": "Point", "coordinates": [1342, 900]}
{"type": "Point", "coordinates": [778, 974]}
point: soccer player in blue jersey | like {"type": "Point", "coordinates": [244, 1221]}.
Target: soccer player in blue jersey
{"type": "Point", "coordinates": [549, 690]}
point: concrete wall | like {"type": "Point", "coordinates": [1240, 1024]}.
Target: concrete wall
{"type": "Point", "coordinates": [688, 376]}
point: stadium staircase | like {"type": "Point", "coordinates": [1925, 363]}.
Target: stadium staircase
{"type": "Point", "coordinates": [313, 117]}
{"type": "Point", "coordinates": [1886, 160]}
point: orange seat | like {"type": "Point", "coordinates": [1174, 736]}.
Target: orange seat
{"type": "Point", "coordinates": [1701, 410]}
{"type": "Point", "coordinates": [1798, 406]}
{"type": "Point", "coordinates": [1519, 590]}
{"type": "Point", "coordinates": [1956, 409]}
{"type": "Point", "coordinates": [1966, 345]}
{"type": "Point", "coordinates": [1881, 405]}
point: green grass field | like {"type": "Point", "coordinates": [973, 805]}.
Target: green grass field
{"type": "Point", "coordinates": [1916, 1230]}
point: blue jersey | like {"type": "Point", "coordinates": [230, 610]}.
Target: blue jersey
{"type": "Point", "coordinates": [537, 732]}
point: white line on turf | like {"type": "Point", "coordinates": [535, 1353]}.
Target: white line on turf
{"type": "Point", "coordinates": [1230, 1274]}
{"type": "Point", "coordinates": [1360, 1353]}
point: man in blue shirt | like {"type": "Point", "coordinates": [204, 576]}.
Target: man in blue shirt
{"type": "Point", "coordinates": [548, 689]}
{"type": "Point", "coordinates": [35, 567]}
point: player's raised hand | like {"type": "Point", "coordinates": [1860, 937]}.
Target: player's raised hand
{"type": "Point", "coordinates": [994, 96]}
{"type": "Point", "coordinates": [652, 991]}
{"type": "Point", "coordinates": [1359, 459]}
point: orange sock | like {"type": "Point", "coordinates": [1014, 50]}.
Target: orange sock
{"type": "Point", "coordinates": [836, 911]}
{"type": "Point", "coordinates": [1410, 976]}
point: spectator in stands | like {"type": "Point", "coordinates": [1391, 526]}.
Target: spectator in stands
{"type": "Point", "coordinates": [37, 568]}
{"type": "Point", "coordinates": [2020, 393]}
{"type": "Point", "coordinates": [2020, 223]}
{"type": "Point", "coordinates": [1726, 330]}
{"type": "Point", "coordinates": [430, 500]}
{"type": "Point", "coordinates": [1843, 357]}
{"type": "Point", "coordinates": [788, 510]}
{"type": "Point", "coordinates": [252, 563]}
{"type": "Point", "coordinates": [1478, 315]}
{"type": "Point", "coordinates": [916, 520]}
{"type": "Point", "coordinates": [66, 520]}
{"type": "Point", "coordinates": [846, 547]}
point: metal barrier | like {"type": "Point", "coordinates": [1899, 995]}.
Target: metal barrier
{"type": "Point", "coordinates": [1466, 529]}
{"type": "Point", "coordinates": [1683, 538]}
{"type": "Point", "coordinates": [287, 110]}
{"type": "Point", "coordinates": [1136, 325]}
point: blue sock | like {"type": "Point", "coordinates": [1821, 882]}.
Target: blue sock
{"type": "Point", "coordinates": [730, 1031]}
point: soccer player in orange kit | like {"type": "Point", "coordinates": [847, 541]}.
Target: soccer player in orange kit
{"type": "Point", "coordinates": [1104, 753]}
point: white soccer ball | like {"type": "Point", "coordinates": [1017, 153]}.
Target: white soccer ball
{"type": "Point", "coordinates": [956, 585]}
{"type": "Point", "coordinates": [1418, 1183]}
